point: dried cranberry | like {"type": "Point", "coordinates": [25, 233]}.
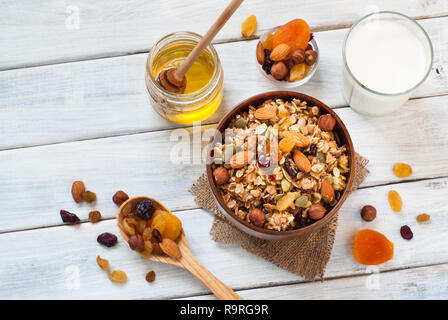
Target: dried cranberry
{"type": "Point", "coordinates": [157, 236]}
{"type": "Point", "coordinates": [144, 209]}
{"type": "Point", "coordinates": [68, 217]}
{"type": "Point", "coordinates": [107, 239]}
{"type": "Point", "coordinates": [290, 167]}
{"type": "Point", "coordinates": [264, 160]}
{"type": "Point", "coordinates": [311, 36]}
{"type": "Point", "coordinates": [271, 177]}
{"type": "Point", "coordinates": [406, 232]}
{"type": "Point", "coordinates": [267, 65]}
{"type": "Point", "coordinates": [313, 150]}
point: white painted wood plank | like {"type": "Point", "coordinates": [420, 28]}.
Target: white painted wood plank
{"type": "Point", "coordinates": [51, 31]}
{"type": "Point", "coordinates": [427, 283]}
{"type": "Point", "coordinates": [34, 263]}
{"type": "Point", "coordinates": [40, 178]}
{"type": "Point", "coordinates": [108, 97]}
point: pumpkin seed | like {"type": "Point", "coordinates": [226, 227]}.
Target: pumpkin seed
{"type": "Point", "coordinates": [308, 204]}
{"type": "Point", "coordinates": [286, 175]}
{"type": "Point", "coordinates": [278, 196]}
{"type": "Point", "coordinates": [228, 153]}
{"type": "Point", "coordinates": [241, 123]}
{"type": "Point", "coordinates": [322, 157]}
{"type": "Point", "coordinates": [285, 185]}
{"type": "Point", "coordinates": [301, 201]}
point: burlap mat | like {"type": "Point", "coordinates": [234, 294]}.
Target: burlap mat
{"type": "Point", "coordinates": [306, 256]}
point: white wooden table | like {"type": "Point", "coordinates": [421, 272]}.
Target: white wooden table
{"type": "Point", "coordinates": [73, 105]}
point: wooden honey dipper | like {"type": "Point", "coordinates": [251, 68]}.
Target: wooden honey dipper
{"type": "Point", "coordinates": [174, 79]}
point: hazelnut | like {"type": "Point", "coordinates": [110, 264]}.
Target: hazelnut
{"type": "Point", "coordinates": [136, 242]}
{"type": "Point", "coordinates": [298, 56]}
{"type": "Point", "coordinates": [326, 122]}
{"type": "Point", "coordinates": [120, 197]}
{"type": "Point", "coordinates": [316, 211]}
{"type": "Point", "coordinates": [368, 213]}
{"type": "Point", "coordinates": [289, 64]}
{"type": "Point", "coordinates": [310, 57]}
{"type": "Point", "coordinates": [221, 175]}
{"type": "Point", "coordinates": [279, 70]}
{"type": "Point", "coordinates": [257, 217]}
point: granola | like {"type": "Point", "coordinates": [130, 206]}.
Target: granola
{"type": "Point", "coordinates": [276, 162]}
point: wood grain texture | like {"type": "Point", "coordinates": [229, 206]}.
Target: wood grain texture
{"type": "Point", "coordinates": [107, 97]}
{"type": "Point", "coordinates": [43, 263]}
{"type": "Point", "coordinates": [40, 178]}
{"type": "Point", "coordinates": [49, 32]}
{"type": "Point", "coordinates": [411, 284]}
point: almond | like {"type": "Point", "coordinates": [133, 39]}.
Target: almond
{"type": "Point", "coordinates": [170, 248]}
{"type": "Point", "coordinates": [78, 189]}
{"type": "Point", "coordinates": [301, 161]}
{"type": "Point", "coordinates": [260, 53]}
{"type": "Point", "coordinates": [280, 52]}
{"type": "Point", "coordinates": [327, 192]}
{"type": "Point", "coordinates": [265, 113]}
{"type": "Point", "coordinates": [301, 140]}
{"type": "Point", "coordinates": [316, 211]}
{"type": "Point", "coordinates": [241, 159]}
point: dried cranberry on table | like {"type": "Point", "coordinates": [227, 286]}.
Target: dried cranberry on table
{"type": "Point", "coordinates": [144, 209]}
{"type": "Point", "coordinates": [107, 239]}
{"type": "Point", "coordinates": [406, 232]}
{"type": "Point", "coordinates": [69, 217]}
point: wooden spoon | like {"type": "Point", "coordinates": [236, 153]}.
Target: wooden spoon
{"type": "Point", "coordinates": [174, 79]}
{"type": "Point", "coordinates": [187, 261]}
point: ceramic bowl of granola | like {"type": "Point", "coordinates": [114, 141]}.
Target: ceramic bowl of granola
{"type": "Point", "coordinates": [280, 165]}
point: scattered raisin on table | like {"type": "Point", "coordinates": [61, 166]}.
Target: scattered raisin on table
{"type": "Point", "coordinates": [89, 196]}
{"type": "Point", "coordinates": [69, 217]}
{"type": "Point", "coordinates": [402, 170]}
{"type": "Point", "coordinates": [406, 232]}
{"type": "Point", "coordinates": [423, 217]}
{"type": "Point", "coordinates": [94, 216]}
{"type": "Point", "coordinates": [118, 276]}
{"type": "Point", "coordinates": [395, 200]}
{"type": "Point", "coordinates": [107, 239]}
{"type": "Point", "coordinates": [144, 209]}
{"type": "Point", "coordinates": [103, 263]}
{"type": "Point", "coordinates": [150, 276]}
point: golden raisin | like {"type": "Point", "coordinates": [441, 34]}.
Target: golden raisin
{"type": "Point", "coordinates": [297, 72]}
{"type": "Point", "coordinates": [103, 263]}
{"type": "Point", "coordinates": [89, 196]}
{"type": "Point", "coordinates": [371, 247]}
{"type": "Point", "coordinates": [286, 144]}
{"type": "Point", "coordinates": [248, 27]}
{"type": "Point", "coordinates": [94, 216]}
{"type": "Point", "coordinates": [402, 170]}
{"type": "Point", "coordinates": [423, 217]}
{"type": "Point", "coordinates": [118, 276]}
{"type": "Point", "coordinates": [395, 200]}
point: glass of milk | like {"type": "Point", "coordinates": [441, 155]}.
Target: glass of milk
{"type": "Point", "coordinates": [386, 56]}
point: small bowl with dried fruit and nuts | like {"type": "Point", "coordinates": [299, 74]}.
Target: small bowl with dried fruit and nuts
{"type": "Point", "coordinates": [288, 56]}
{"type": "Point", "coordinates": [280, 165]}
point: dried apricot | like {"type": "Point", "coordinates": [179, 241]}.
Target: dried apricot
{"type": "Point", "coordinates": [286, 144]}
{"type": "Point", "coordinates": [371, 247]}
{"type": "Point", "coordinates": [295, 33]}
{"type": "Point", "coordinates": [395, 200]}
{"type": "Point", "coordinates": [402, 170]}
{"type": "Point", "coordinates": [118, 276]}
{"type": "Point", "coordinates": [248, 26]}
{"type": "Point", "coordinates": [269, 42]}
{"type": "Point", "coordinates": [103, 263]}
{"type": "Point", "coordinates": [173, 226]}
{"type": "Point", "coordinates": [159, 223]}
{"type": "Point", "coordinates": [423, 217]}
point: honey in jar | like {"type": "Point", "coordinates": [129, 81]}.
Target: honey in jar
{"type": "Point", "coordinates": [204, 89]}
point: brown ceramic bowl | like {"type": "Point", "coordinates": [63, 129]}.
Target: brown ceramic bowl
{"type": "Point", "coordinates": [273, 234]}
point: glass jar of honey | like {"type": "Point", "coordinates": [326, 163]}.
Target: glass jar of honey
{"type": "Point", "coordinates": [204, 90]}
